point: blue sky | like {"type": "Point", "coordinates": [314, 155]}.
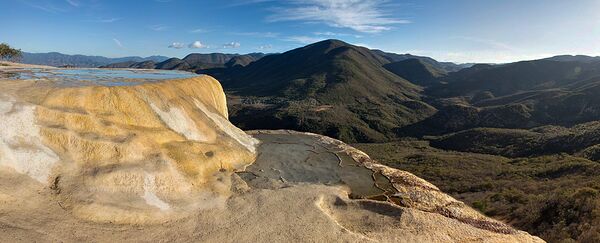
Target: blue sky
{"type": "Point", "coordinates": [458, 30]}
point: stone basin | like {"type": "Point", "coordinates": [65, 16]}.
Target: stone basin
{"type": "Point", "coordinates": [94, 76]}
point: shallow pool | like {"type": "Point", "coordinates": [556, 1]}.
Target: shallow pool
{"type": "Point", "coordinates": [95, 76]}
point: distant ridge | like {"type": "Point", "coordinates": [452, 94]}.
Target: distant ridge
{"type": "Point", "coordinates": [58, 59]}
{"type": "Point", "coordinates": [574, 58]}
{"type": "Point", "coordinates": [515, 95]}
{"type": "Point", "coordinates": [445, 66]}
{"type": "Point", "coordinates": [416, 70]}
{"type": "Point", "coordinates": [194, 62]}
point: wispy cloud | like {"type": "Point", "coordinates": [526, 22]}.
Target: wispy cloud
{"type": "Point", "coordinates": [367, 16]}
{"type": "Point", "coordinates": [303, 39]}
{"type": "Point", "coordinates": [118, 42]}
{"type": "Point", "coordinates": [158, 27]}
{"type": "Point", "coordinates": [199, 30]}
{"type": "Point", "coordinates": [177, 45]}
{"type": "Point", "coordinates": [44, 6]}
{"type": "Point", "coordinates": [232, 45]}
{"type": "Point", "coordinates": [106, 20]}
{"type": "Point", "coordinates": [73, 3]}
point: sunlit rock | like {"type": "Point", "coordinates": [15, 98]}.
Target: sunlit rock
{"type": "Point", "coordinates": [163, 145]}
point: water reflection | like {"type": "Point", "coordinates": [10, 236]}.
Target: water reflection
{"type": "Point", "coordinates": [94, 76]}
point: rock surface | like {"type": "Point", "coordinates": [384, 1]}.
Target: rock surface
{"type": "Point", "coordinates": [130, 154]}
{"type": "Point", "coordinates": [160, 162]}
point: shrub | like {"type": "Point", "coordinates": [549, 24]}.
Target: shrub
{"type": "Point", "coordinates": [9, 53]}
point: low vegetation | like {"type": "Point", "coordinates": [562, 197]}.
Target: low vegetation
{"type": "Point", "coordinates": [556, 197]}
{"type": "Point", "coordinates": [581, 139]}
{"type": "Point", "coordinates": [8, 53]}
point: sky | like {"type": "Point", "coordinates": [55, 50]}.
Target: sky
{"type": "Point", "coordinates": [460, 31]}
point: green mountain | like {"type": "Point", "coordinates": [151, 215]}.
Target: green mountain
{"type": "Point", "coordinates": [211, 58]}
{"type": "Point", "coordinates": [243, 60]}
{"type": "Point", "coordinates": [517, 95]}
{"type": "Point", "coordinates": [173, 64]}
{"type": "Point", "coordinates": [516, 77]}
{"type": "Point", "coordinates": [330, 87]}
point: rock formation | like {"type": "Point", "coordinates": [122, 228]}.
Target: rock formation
{"type": "Point", "coordinates": [158, 145]}
{"type": "Point", "coordinates": [159, 161]}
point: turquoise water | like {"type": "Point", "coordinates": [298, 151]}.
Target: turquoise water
{"type": "Point", "coordinates": [94, 76]}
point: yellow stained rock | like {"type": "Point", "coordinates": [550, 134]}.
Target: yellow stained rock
{"type": "Point", "coordinates": [165, 145]}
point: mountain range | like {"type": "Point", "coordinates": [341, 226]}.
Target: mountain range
{"type": "Point", "coordinates": [59, 60]}
{"type": "Point", "coordinates": [517, 95]}
{"type": "Point", "coordinates": [361, 95]}
{"type": "Point", "coordinates": [329, 87]}
{"type": "Point", "coordinates": [194, 61]}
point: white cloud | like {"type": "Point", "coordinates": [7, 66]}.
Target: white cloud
{"type": "Point", "coordinates": [118, 42]}
{"type": "Point", "coordinates": [177, 45]}
{"type": "Point", "coordinates": [196, 45]}
{"type": "Point", "coordinates": [231, 45]}
{"type": "Point", "coordinates": [366, 16]}
{"type": "Point", "coordinates": [303, 39]}
{"type": "Point", "coordinates": [158, 27]}
{"type": "Point", "coordinates": [265, 47]}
